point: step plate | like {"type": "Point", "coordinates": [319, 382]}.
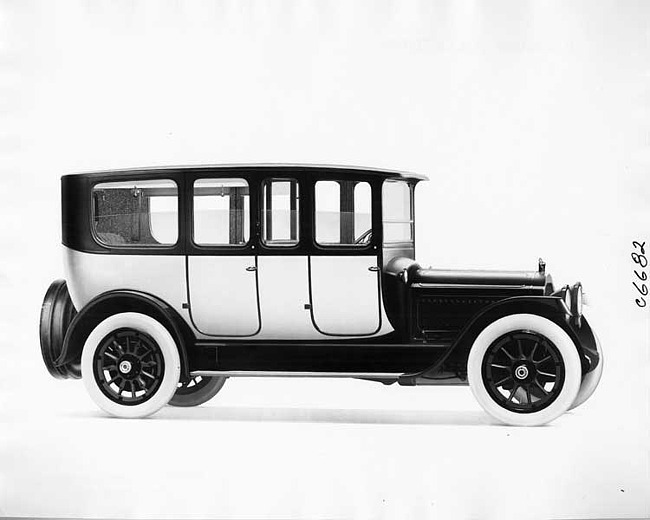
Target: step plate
{"type": "Point", "coordinates": [268, 373]}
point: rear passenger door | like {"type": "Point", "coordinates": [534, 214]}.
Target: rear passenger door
{"type": "Point", "coordinates": [343, 268]}
{"type": "Point", "coordinates": [222, 270]}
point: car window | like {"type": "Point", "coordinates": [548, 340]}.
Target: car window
{"type": "Point", "coordinates": [143, 213]}
{"type": "Point", "coordinates": [221, 212]}
{"type": "Point", "coordinates": [397, 212]}
{"type": "Point", "coordinates": [343, 213]}
{"type": "Point", "coordinates": [280, 212]}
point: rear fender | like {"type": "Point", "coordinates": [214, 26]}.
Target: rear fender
{"type": "Point", "coordinates": [114, 302]}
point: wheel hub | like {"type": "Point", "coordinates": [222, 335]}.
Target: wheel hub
{"type": "Point", "coordinates": [521, 372]}
{"type": "Point", "coordinates": [129, 366]}
{"type": "Point", "coordinates": [524, 371]}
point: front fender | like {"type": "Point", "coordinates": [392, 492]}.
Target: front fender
{"type": "Point", "coordinates": [454, 361]}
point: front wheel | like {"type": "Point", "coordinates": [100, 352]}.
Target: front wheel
{"type": "Point", "coordinates": [524, 370]}
{"type": "Point", "coordinates": [130, 365]}
{"type": "Point", "coordinates": [196, 391]}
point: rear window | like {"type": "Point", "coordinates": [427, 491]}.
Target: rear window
{"type": "Point", "coordinates": [136, 213]}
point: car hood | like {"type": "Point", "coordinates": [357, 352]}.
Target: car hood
{"type": "Point", "coordinates": [474, 277]}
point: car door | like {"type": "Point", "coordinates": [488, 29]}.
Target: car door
{"type": "Point", "coordinates": [283, 261]}
{"type": "Point", "coordinates": [343, 268]}
{"type": "Point", "coordinates": [222, 267]}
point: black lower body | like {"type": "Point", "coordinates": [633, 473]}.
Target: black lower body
{"type": "Point", "coordinates": [313, 357]}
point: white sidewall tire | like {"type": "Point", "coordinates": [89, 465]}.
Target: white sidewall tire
{"type": "Point", "coordinates": [553, 333]}
{"type": "Point", "coordinates": [160, 335]}
{"type": "Point", "coordinates": [591, 380]}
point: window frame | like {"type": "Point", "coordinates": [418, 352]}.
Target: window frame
{"type": "Point", "coordinates": [411, 188]}
{"type": "Point", "coordinates": [135, 248]}
{"type": "Point", "coordinates": [370, 245]}
{"type": "Point", "coordinates": [191, 214]}
{"type": "Point", "coordinates": [262, 217]}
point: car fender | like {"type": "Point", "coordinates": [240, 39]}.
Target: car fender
{"type": "Point", "coordinates": [550, 307]}
{"type": "Point", "coordinates": [112, 302]}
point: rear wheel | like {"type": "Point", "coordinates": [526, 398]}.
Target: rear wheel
{"type": "Point", "coordinates": [130, 365]}
{"type": "Point", "coordinates": [524, 370]}
{"type": "Point", "coordinates": [196, 391]}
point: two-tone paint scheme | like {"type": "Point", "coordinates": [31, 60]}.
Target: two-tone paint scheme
{"type": "Point", "coordinates": [365, 310]}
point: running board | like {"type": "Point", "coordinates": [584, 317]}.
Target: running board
{"type": "Point", "coordinates": [269, 373]}
{"type": "Point", "coordinates": [312, 360]}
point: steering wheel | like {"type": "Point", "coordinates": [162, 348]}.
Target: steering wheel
{"type": "Point", "coordinates": [365, 237]}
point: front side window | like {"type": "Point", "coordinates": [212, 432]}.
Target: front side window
{"type": "Point", "coordinates": [397, 212]}
{"type": "Point", "coordinates": [280, 212]}
{"type": "Point", "coordinates": [221, 212]}
{"type": "Point", "coordinates": [343, 213]}
{"type": "Point", "coordinates": [136, 213]}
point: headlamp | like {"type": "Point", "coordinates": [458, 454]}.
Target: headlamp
{"type": "Point", "coordinates": [577, 300]}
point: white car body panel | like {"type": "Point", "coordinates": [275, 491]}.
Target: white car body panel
{"type": "Point", "coordinates": [223, 295]}
{"type": "Point", "coordinates": [284, 291]}
{"type": "Point", "coordinates": [88, 275]}
{"type": "Point", "coordinates": [345, 295]}
{"type": "Point", "coordinates": [219, 306]}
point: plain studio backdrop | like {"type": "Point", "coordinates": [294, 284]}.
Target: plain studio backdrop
{"type": "Point", "coordinates": [531, 119]}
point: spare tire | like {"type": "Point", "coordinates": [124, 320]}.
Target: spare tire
{"type": "Point", "coordinates": [57, 312]}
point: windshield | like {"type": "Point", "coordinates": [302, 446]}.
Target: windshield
{"type": "Point", "coordinates": [398, 212]}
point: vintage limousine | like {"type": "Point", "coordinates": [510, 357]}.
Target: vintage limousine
{"type": "Point", "coordinates": [178, 278]}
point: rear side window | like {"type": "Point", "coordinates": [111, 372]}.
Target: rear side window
{"type": "Point", "coordinates": [136, 213]}
{"type": "Point", "coordinates": [221, 212]}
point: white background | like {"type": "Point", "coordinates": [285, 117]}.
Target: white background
{"type": "Point", "coordinates": [531, 118]}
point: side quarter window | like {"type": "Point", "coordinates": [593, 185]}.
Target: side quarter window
{"type": "Point", "coordinates": [343, 213]}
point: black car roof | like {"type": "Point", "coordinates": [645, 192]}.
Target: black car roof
{"type": "Point", "coordinates": [260, 168]}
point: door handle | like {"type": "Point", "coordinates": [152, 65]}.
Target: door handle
{"type": "Point", "coordinates": [251, 268]}
{"type": "Point", "coordinates": [373, 268]}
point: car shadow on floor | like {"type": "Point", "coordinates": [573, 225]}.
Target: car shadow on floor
{"type": "Point", "coordinates": [326, 415]}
